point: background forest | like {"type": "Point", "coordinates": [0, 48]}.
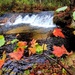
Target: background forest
{"type": "Point", "coordinates": [30, 5]}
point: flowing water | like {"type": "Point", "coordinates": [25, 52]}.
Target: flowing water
{"type": "Point", "coordinates": [42, 19]}
{"type": "Point", "coordinates": [40, 22]}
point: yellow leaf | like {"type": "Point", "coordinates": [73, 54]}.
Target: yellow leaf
{"type": "Point", "coordinates": [4, 56]}
{"type": "Point", "coordinates": [44, 46]}
{"type": "Point", "coordinates": [8, 42]}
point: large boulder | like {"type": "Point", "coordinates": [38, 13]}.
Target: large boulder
{"type": "Point", "coordinates": [63, 18]}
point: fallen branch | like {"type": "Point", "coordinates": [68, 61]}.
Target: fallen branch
{"type": "Point", "coordinates": [58, 62]}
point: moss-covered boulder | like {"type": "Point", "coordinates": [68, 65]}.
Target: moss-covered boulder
{"type": "Point", "coordinates": [62, 18]}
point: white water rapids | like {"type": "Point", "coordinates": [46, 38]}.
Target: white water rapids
{"type": "Point", "coordinates": [43, 19]}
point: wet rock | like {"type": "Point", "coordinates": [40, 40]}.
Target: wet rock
{"type": "Point", "coordinates": [37, 32]}
{"type": "Point", "coordinates": [4, 20]}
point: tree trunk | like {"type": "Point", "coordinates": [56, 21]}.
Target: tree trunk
{"type": "Point", "coordinates": [40, 1]}
{"type": "Point", "coordinates": [72, 4]}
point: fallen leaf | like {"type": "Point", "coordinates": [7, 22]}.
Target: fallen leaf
{"type": "Point", "coordinates": [2, 40]}
{"type": "Point", "coordinates": [58, 32]}
{"type": "Point", "coordinates": [8, 42]}
{"type": "Point", "coordinates": [17, 55]}
{"type": "Point", "coordinates": [27, 72]}
{"type": "Point", "coordinates": [32, 50]}
{"type": "Point", "coordinates": [1, 63]}
{"type": "Point", "coordinates": [36, 48]}
{"type": "Point", "coordinates": [4, 56]}
{"type": "Point", "coordinates": [39, 49]}
{"type": "Point", "coordinates": [44, 46]}
{"type": "Point", "coordinates": [14, 40]}
{"type": "Point", "coordinates": [21, 43]}
{"type": "Point", "coordinates": [33, 43]}
{"type": "Point", "coordinates": [61, 9]}
{"type": "Point", "coordinates": [59, 51]}
{"type": "Point", "coordinates": [73, 15]}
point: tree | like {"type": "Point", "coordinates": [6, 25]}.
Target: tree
{"type": "Point", "coordinates": [40, 1]}
{"type": "Point", "coordinates": [72, 4]}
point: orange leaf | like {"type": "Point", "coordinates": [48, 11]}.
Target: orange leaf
{"type": "Point", "coordinates": [32, 50]}
{"type": "Point", "coordinates": [33, 41]}
{"type": "Point", "coordinates": [58, 32]}
{"type": "Point", "coordinates": [59, 51]}
{"type": "Point", "coordinates": [21, 43]}
{"type": "Point", "coordinates": [18, 54]}
{"type": "Point", "coordinates": [1, 63]}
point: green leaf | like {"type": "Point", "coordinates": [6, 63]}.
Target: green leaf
{"type": "Point", "coordinates": [14, 40]}
{"type": "Point", "coordinates": [52, 56]}
{"type": "Point", "coordinates": [61, 9]}
{"type": "Point", "coordinates": [2, 40]}
{"type": "Point", "coordinates": [63, 71]}
{"type": "Point", "coordinates": [73, 15]}
{"type": "Point", "coordinates": [39, 49]}
{"type": "Point", "coordinates": [26, 72]}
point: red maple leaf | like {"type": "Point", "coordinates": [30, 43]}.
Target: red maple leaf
{"type": "Point", "coordinates": [59, 51]}
{"type": "Point", "coordinates": [17, 55]}
{"type": "Point", "coordinates": [58, 32]}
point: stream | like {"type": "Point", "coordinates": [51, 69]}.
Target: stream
{"type": "Point", "coordinates": [38, 22]}
{"type": "Point", "coordinates": [29, 26]}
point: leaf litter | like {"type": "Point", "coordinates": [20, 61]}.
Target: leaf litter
{"type": "Point", "coordinates": [36, 63]}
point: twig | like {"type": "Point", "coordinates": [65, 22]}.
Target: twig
{"type": "Point", "coordinates": [48, 57]}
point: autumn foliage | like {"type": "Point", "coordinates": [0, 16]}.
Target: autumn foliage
{"type": "Point", "coordinates": [58, 33]}
{"type": "Point", "coordinates": [59, 51]}
{"type": "Point", "coordinates": [18, 53]}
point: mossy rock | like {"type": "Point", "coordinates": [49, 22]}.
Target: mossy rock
{"type": "Point", "coordinates": [63, 18]}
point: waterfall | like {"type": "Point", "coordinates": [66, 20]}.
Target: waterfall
{"type": "Point", "coordinates": [42, 19]}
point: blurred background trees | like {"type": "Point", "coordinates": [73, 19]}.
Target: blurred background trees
{"type": "Point", "coordinates": [32, 5]}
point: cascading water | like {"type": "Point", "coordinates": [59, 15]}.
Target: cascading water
{"type": "Point", "coordinates": [41, 22]}
{"type": "Point", "coordinates": [43, 19]}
